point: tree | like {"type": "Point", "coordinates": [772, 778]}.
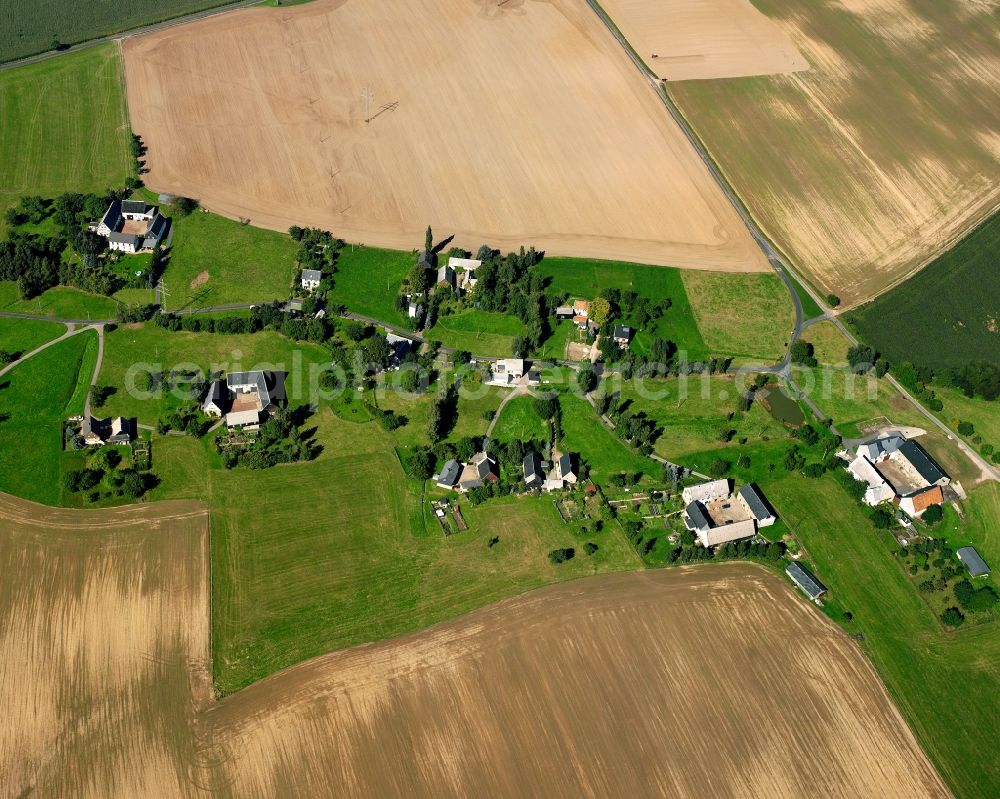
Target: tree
{"type": "Point", "coordinates": [590, 547]}
{"type": "Point", "coordinates": [546, 407]}
{"type": "Point", "coordinates": [600, 311]}
{"type": "Point", "coordinates": [861, 358]}
{"type": "Point", "coordinates": [586, 378]}
{"type": "Point", "coordinates": [882, 518]}
{"type": "Point", "coordinates": [802, 353]}
{"type": "Point", "coordinates": [832, 300]}
{"type": "Point", "coordinates": [419, 278]}
{"type": "Point", "coordinates": [953, 617]}
{"type": "Point", "coordinates": [133, 485]}
{"type": "Point", "coordinates": [966, 428]}
{"type": "Point", "coordinates": [421, 463]}
{"type": "Point", "coordinates": [793, 460]}
{"type": "Point", "coordinates": [557, 556]}
{"type": "Point", "coordinates": [520, 346]}
{"type": "Point", "coordinates": [719, 467]}
{"type": "Point", "coordinates": [409, 380]}
{"type": "Point", "coordinates": [933, 514]}
{"type": "Point", "coordinates": [428, 240]}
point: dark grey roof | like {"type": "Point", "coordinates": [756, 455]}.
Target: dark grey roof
{"type": "Point", "coordinates": [532, 467]}
{"type": "Point", "coordinates": [125, 238]}
{"type": "Point", "coordinates": [484, 464]}
{"type": "Point", "coordinates": [155, 231]}
{"type": "Point", "coordinates": [697, 516]}
{"type": "Point", "coordinates": [621, 331]}
{"type": "Point", "coordinates": [312, 274]}
{"type": "Point", "coordinates": [805, 580]}
{"type": "Point", "coordinates": [973, 562]}
{"type": "Point", "coordinates": [113, 215]}
{"type": "Point", "coordinates": [134, 206]}
{"type": "Point", "coordinates": [270, 385]}
{"type": "Point", "coordinates": [565, 465]}
{"type": "Point", "coordinates": [921, 461]}
{"type": "Point", "coordinates": [755, 501]}
{"type": "Point", "coordinates": [449, 474]}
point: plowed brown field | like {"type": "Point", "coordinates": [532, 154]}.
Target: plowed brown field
{"type": "Point", "coordinates": [689, 682]}
{"type": "Point", "coordinates": [520, 124]}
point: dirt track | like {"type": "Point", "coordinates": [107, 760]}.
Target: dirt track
{"type": "Point", "coordinates": [716, 680]}
{"type": "Point", "coordinates": [525, 124]}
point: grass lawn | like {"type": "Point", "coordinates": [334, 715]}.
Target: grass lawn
{"type": "Point", "coordinates": [479, 332]}
{"type": "Point", "coordinates": [829, 344]}
{"type": "Point", "coordinates": [362, 566]}
{"type": "Point", "coordinates": [61, 302]}
{"type": "Point", "coordinates": [63, 125]}
{"type": "Point", "coordinates": [692, 413]}
{"type": "Point", "coordinates": [810, 308]}
{"type": "Point", "coordinates": [923, 666]}
{"type": "Point", "coordinates": [161, 350]}
{"type": "Point", "coordinates": [368, 280]}
{"type": "Point", "coordinates": [520, 422]}
{"type": "Point", "coordinates": [554, 347]}
{"type": "Point", "coordinates": [583, 277]}
{"type": "Point", "coordinates": [850, 399]}
{"type": "Point", "coordinates": [585, 433]}
{"type": "Point", "coordinates": [985, 416]}
{"type": "Point", "coordinates": [218, 261]}
{"type": "Point", "coordinates": [37, 397]}
{"type": "Point", "coordinates": [749, 317]}
{"type": "Point", "coordinates": [23, 335]}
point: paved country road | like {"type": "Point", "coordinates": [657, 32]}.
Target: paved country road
{"type": "Point", "coordinates": [170, 23]}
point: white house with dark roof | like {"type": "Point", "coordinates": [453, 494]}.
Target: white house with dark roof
{"type": "Point", "coordinates": [481, 469]}
{"type": "Point", "coordinates": [310, 279]}
{"type": "Point", "coordinates": [244, 398]}
{"type": "Point", "coordinates": [622, 336]}
{"type": "Point", "coordinates": [448, 476]}
{"type": "Point", "coordinates": [717, 516]}
{"type": "Point", "coordinates": [563, 473]}
{"type": "Point", "coordinates": [119, 430]}
{"type": "Point", "coordinates": [899, 470]}
{"type": "Point", "coordinates": [132, 226]}
{"type": "Point", "coordinates": [534, 477]}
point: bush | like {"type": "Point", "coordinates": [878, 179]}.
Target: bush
{"type": "Point", "coordinates": [557, 556]}
{"type": "Point", "coordinates": [953, 617]}
{"type": "Point", "coordinates": [590, 547]}
{"type": "Point", "coordinates": [966, 428]}
{"type": "Point", "coordinates": [832, 300]}
{"type": "Point", "coordinates": [882, 519]}
{"type": "Point", "coordinates": [719, 467]}
{"type": "Point", "coordinates": [421, 464]}
{"type": "Point", "coordinates": [933, 514]}
{"type": "Point", "coordinates": [586, 379]}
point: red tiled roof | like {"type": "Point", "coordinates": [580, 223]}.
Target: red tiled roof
{"type": "Point", "coordinates": [923, 501]}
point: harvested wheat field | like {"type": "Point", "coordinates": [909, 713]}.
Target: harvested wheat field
{"type": "Point", "coordinates": [700, 39]}
{"type": "Point", "coordinates": [520, 124]}
{"type": "Point", "coordinates": [703, 682]}
{"type": "Point", "coordinates": [689, 682]}
{"type": "Point", "coordinates": [103, 649]}
{"type": "Point", "coordinates": [882, 154]}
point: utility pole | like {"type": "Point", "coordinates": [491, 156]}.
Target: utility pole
{"type": "Point", "coordinates": [161, 287]}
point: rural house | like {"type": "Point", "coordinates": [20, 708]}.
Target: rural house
{"type": "Point", "coordinates": [466, 271]}
{"type": "Point", "coordinates": [244, 398]}
{"type": "Point", "coordinates": [533, 474]}
{"type": "Point", "coordinates": [132, 226]}
{"type": "Point", "coordinates": [581, 314]}
{"type": "Point", "coordinates": [446, 277]}
{"type": "Point", "coordinates": [310, 279]}
{"type": "Point", "coordinates": [508, 371]}
{"type": "Point", "coordinates": [414, 310]}
{"type": "Point", "coordinates": [805, 580]}
{"type": "Point", "coordinates": [562, 473]}
{"type": "Point", "coordinates": [449, 475]}
{"type": "Point", "coordinates": [716, 515]}
{"type": "Point", "coordinates": [481, 469]}
{"type": "Point", "coordinates": [622, 336]}
{"type": "Point", "coordinates": [97, 432]}
{"type": "Point", "coordinates": [899, 470]}
{"type": "Point", "coordinates": [399, 346]}
{"type": "Point", "coordinates": [564, 312]}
